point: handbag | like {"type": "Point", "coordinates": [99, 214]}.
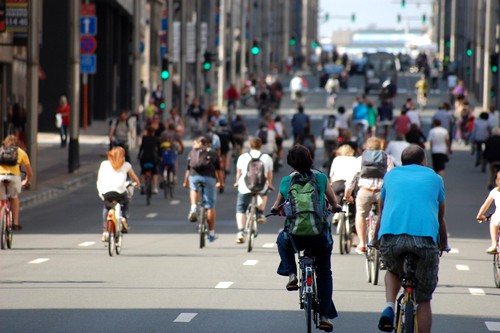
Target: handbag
{"type": "Point", "coordinates": [58, 120]}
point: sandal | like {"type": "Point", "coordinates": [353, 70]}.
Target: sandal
{"type": "Point", "coordinates": [492, 250]}
{"type": "Point", "coordinates": [17, 227]}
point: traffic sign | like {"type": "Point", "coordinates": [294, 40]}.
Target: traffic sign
{"type": "Point", "coordinates": [88, 63]}
{"type": "Point", "coordinates": [88, 25]}
{"type": "Point", "coordinates": [87, 9]}
{"type": "Point", "coordinates": [88, 44]}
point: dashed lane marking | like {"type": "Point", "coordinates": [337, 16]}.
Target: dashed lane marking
{"type": "Point", "coordinates": [151, 215]}
{"type": "Point", "coordinates": [185, 317]}
{"type": "Point", "coordinates": [268, 245]}
{"type": "Point", "coordinates": [476, 291]}
{"type": "Point", "coordinates": [250, 263]}
{"type": "Point", "coordinates": [493, 326]}
{"type": "Point", "coordinates": [38, 261]}
{"type": "Point", "coordinates": [223, 285]}
{"type": "Point", "coordinates": [84, 244]}
{"type": "Point", "coordinates": [175, 202]}
{"type": "Point", "coordinates": [463, 268]}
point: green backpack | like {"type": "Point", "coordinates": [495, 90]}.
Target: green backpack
{"type": "Point", "coordinates": [303, 211]}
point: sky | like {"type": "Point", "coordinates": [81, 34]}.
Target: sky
{"type": "Point", "coordinates": [378, 13]}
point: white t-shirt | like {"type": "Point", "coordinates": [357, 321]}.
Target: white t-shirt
{"type": "Point", "coordinates": [438, 137]}
{"type": "Point", "coordinates": [343, 168]}
{"type": "Point", "coordinates": [495, 195]}
{"type": "Point", "coordinates": [394, 149]}
{"type": "Point", "coordinates": [296, 84]}
{"type": "Point", "coordinates": [109, 179]}
{"type": "Point", "coordinates": [242, 165]}
{"type": "Point", "coordinates": [342, 121]}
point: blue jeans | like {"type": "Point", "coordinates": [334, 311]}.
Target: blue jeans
{"type": "Point", "coordinates": [210, 192]}
{"type": "Point", "coordinates": [321, 248]}
{"type": "Point", "coordinates": [63, 132]}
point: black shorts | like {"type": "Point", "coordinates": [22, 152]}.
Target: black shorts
{"type": "Point", "coordinates": [439, 161]}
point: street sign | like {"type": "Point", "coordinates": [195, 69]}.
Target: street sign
{"type": "Point", "coordinates": [87, 9]}
{"type": "Point", "coordinates": [88, 44]}
{"type": "Point", "coordinates": [88, 63]}
{"type": "Point", "coordinates": [16, 16]}
{"type": "Point", "coordinates": [88, 25]}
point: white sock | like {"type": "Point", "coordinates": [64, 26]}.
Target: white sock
{"type": "Point", "coordinates": [193, 208]}
{"type": "Point", "coordinates": [390, 305]}
{"type": "Point", "coordinates": [211, 232]}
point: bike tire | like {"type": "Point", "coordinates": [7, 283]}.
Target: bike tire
{"type": "Point", "coordinates": [375, 266]}
{"type": "Point", "coordinates": [118, 241]}
{"type": "Point", "coordinates": [308, 302]}
{"type": "Point", "coordinates": [202, 226]}
{"type": "Point", "coordinates": [250, 220]}
{"type": "Point", "coordinates": [110, 227]}
{"type": "Point", "coordinates": [409, 318]}
{"type": "Point", "coordinates": [3, 236]}
{"type": "Point", "coordinates": [171, 184]}
{"type": "Point", "coordinates": [8, 229]}
{"type": "Point", "coordinates": [342, 234]}
{"type": "Point", "coordinates": [368, 265]}
{"type": "Point", "coordinates": [148, 190]}
{"type": "Point", "coordinates": [496, 269]}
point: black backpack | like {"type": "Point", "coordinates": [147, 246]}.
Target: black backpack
{"type": "Point", "coordinates": [255, 179]}
{"type": "Point", "coordinates": [262, 134]}
{"type": "Point", "coordinates": [8, 155]}
{"type": "Point", "coordinates": [200, 159]}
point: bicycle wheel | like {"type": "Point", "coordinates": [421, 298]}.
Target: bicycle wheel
{"type": "Point", "coordinates": [164, 183]}
{"type": "Point", "coordinates": [118, 241]}
{"type": "Point", "coordinates": [308, 309]}
{"type": "Point", "coordinates": [250, 220]}
{"type": "Point", "coordinates": [342, 233]}
{"type": "Point", "coordinates": [496, 269]}
{"type": "Point", "coordinates": [3, 236]}
{"type": "Point", "coordinates": [8, 230]}
{"type": "Point", "coordinates": [110, 227]}
{"type": "Point", "coordinates": [202, 226]}
{"type": "Point", "coordinates": [375, 266]}
{"type": "Point", "coordinates": [369, 264]}
{"type": "Point", "coordinates": [171, 184]}
{"type": "Point", "coordinates": [148, 189]}
{"type": "Point", "coordinates": [409, 318]}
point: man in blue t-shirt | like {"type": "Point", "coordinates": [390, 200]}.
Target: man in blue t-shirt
{"type": "Point", "coordinates": [412, 220]}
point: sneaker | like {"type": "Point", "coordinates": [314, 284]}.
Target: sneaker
{"type": "Point", "coordinates": [211, 238]}
{"type": "Point", "coordinates": [104, 236]}
{"type": "Point", "coordinates": [155, 191]}
{"type": "Point", "coordinates": [490, 250]}
{"type": "Point", "coordinates": [125, 226]}
{"type": "Point", "coordinates": [240, 237]}
{"type": "Point", "coordinates": [325, 324]}
{"type": "Point", "coordinates": [17, 227]}
{"type": "Point", "coordinates": [292, 282]}
{"type": "Point", "coordinates": [192, 217]}
{"type": "Point", "coordinates": [386, 321]}
{"type": "Point", "coordinates": [261, 219]}
{"type": "Point", "coordinates": [361, 249]}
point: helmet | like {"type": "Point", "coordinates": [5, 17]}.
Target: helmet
{"type": "Point", "coordinates": [223, 122]}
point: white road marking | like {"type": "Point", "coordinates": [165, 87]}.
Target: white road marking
{"type": "Point", "coordinates": [493, 326]}
{"type": "Point", "coordinates": [223, 285]}
{"type": "Point", "coordinates": [151, 215]}
{"type": "Point", "coordinates": [185, 317]}
{"type": "Point", "coordinates": [463, 268]}
{"type": "Point", "coordinates": [250, 262]}
{"type": "Point", "coordinates": [476, 291]}
{"type": "Point", "coordinates": [268, 245]}
{"type": "Point", "coordinates": [84, 244]}
{"type": "Point", "coordinates": [175, 202]}
{"type": "Point", "coordinates": [454, 251]}
{"type": "Point", "coordinates": [38, 261]}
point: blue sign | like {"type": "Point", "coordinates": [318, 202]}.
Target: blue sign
{"type": "Point", "coordinates": [88, 63]}
{"type": "Point", "coordinates": [163, 51]}
{"type": "Point", "coordinates": [88, 25]}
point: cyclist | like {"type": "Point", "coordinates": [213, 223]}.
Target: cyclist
{"type": "Point", "coordinates": [119, 133]}
{"type": "Point", "coordinates": [171, 145]}
{"type": "Point", "coordinates": [203, 166]}
{"type": "Point", "coordinates": [417, 226]}
{"type": "Point", "coordinates": [320, 246]}
{"type": "Point", "coordinates": [111, 182]}
{"type": "Point", "coordinates": [149, 153]}
{"type": "Point", "coordinates": [493, 196]}
{"type": "Point", "coordinates": [249, 180]}
{"type": "Point", "coordinates": [12, 172]}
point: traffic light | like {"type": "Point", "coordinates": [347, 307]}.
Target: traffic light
{"type": "Point", "coordinates": [314, 44]}
{"type": "Point", "coordinates": [403, 3]}
{"type": "Point", "coordinates": [255, 48]}
{"type": "Point", "coordinates": [447, 43]}
{"type": "Point", "coordinates": [353, 17]}
{"type": "Point", "coordinates": [469, 50]}
{"type": "Point", "coordinates": [208, 89]}
{"type": "Point", "coordinates": [399, 18]}
{"type": "Point", "coordinates": [207, 61]}
{"type": "Point", "coordinates": [293, 41]}
{"type": "Point", "coordinates": [424, 18]}
{"type": "Point", "coordinates": [494, 63]}
{"type": "Point", "coordinates": [165, 74]}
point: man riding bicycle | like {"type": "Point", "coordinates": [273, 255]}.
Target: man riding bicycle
{"type": "Point", "coordinates": [318, 245]}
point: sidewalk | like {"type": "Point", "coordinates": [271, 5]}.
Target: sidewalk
{"type": "Point", "coordinates": [52, 175]}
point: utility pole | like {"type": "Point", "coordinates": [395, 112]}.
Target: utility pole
{"type": "Point", "coordinates": [286, 33]}
{"type": "Point", "coordinates": [221, 70]}
{"type": "Point", "coordinates": [243, 41]}
{"type": "Point", "coordinates": [136, 56]}
{"type": "Point", "coordinates": [232, 54]}
{"type": "Point", "coordinates": [32, 86]}
{"type": "Point", "coordinates": [197, 61]}
{"type": "Point", "coordinates": [453, 29]}
{"type": "Point", "coordinates": [487, 51]}
{"type": "Point", "coordinates": [74, 85]}
{"type": "Point", "coordinates": [182, 60]}
{"type": "Point", "coordinates": [167, 85]}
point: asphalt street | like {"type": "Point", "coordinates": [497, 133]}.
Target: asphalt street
{"type": "Point", "coordinates": [58, 277]}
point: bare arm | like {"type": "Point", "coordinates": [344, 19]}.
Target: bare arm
{"type": "Point", "coordinates": [330, 196]}
{"type": "Point", "coordinates": [278, 202]}
{"type": "Point", "coordinates": [443, 233]}
{"type": "Point", "coordinates": [484, 207]}
{"type": "Point", "coordinates": [133, 176]}
{"type": "Point", "coordinates": [29, 174]}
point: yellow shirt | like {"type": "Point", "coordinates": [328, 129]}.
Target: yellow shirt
{"type": "Point", "coordinates": [22, 158]}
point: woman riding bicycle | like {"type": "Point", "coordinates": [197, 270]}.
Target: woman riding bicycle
{"type": "Point", "coordinates": [112, 183]}
{"type": "Point", "coordinates": [319, 246]}
{"type": "Point", "coordinates": [493, 196]}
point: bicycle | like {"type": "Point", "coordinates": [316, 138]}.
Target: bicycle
{"type": "Point", "coordinates": [344, 228]}
{"type": "Point", "coordinates": [496, 256]}
{"type": "Point", "coordinates": [201, 213]}
{"type": "Point", "coordinates": [406, 313]}
{"type": "Point", "coordinates": [168, 182]}
{"type": "Point", "coordinates": [372, 255]}
{"type": "Point", "coordinates": [250, 230]}
{"type": "Point", "coordinates": [148, 181]}
{"type": "Point", "coordinates": [6, 218]}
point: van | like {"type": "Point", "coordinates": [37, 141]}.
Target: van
{"type": "Point", "coordinates": [380, 67]}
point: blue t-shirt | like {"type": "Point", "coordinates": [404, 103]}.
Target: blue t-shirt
{"type": "Point", "coordinates": [321, 179]}
{"type": "Point", "coordinates": [411, 194]}
{"type": "Point", "coordinates": [360, 112]}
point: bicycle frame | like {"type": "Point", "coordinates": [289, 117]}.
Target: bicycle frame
{"type": "Point", "coordinates": [114, 227]}
{"type": "Point", "coordinates": [372, 254]}
{"type": "Point", "coordinates": [251, 222]}
{"type": "Point", "coordinates": [406, 318]}
{"type": "Point", "coordinates": [202, 215]}
{"type": "Point", "coordinates": [6, 227]}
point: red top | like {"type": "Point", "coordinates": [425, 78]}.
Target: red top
{"type": "Point", "coordinates": [232, 93]}
{"type": "Point", "coordinates": [64, 111]}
